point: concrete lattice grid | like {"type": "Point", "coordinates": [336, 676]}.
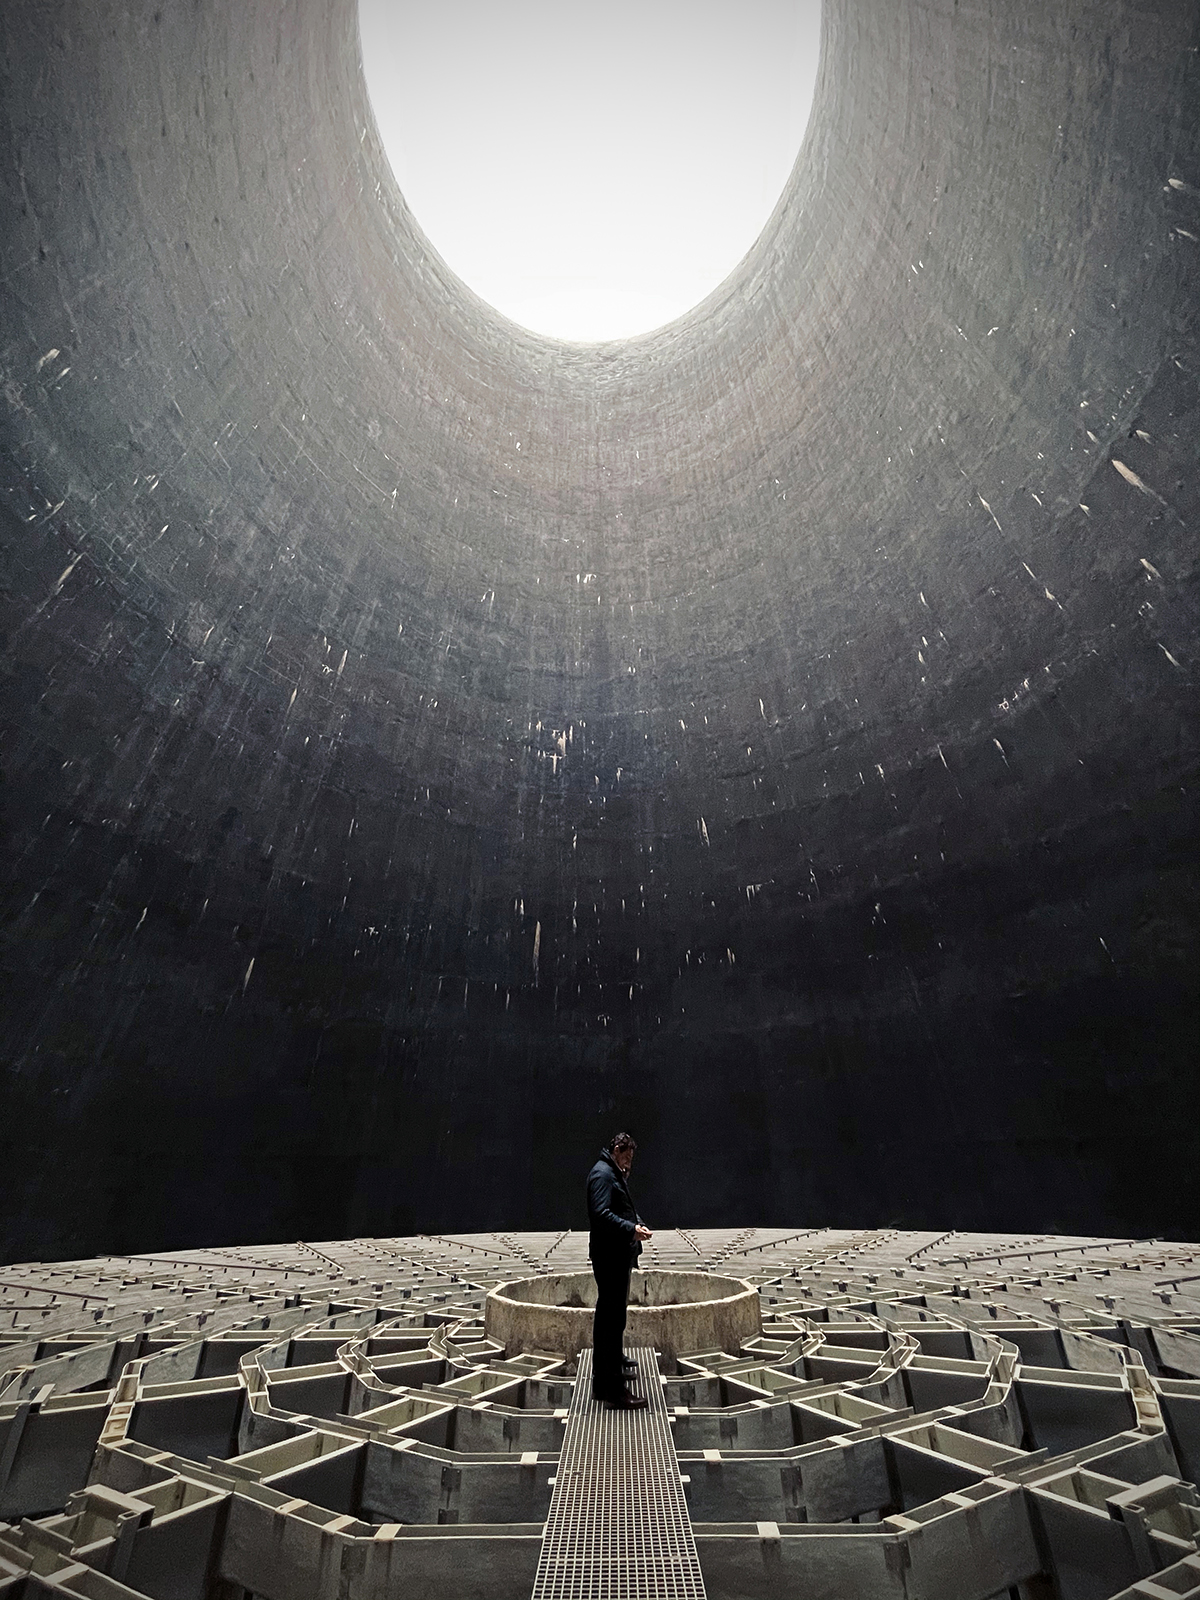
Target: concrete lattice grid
{"type": "Point", "coordinates": [925, 1417]}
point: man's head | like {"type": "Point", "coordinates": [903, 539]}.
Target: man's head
{"type": "Point", "coordinates": [621, 1149]}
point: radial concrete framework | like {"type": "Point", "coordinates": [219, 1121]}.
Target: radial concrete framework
{"type": "Point", "coordinates": [924, 1417]}
{"type": "Point", "coordinates": [428, 747]}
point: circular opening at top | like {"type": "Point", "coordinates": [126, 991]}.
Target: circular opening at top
{"type": "Point", "coordinates": [592, 171]}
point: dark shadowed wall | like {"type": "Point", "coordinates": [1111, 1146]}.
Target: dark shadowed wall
{"type": "Point", "coordinates": [427, 747]}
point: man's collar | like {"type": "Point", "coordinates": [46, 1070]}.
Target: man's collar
{"type": "Point", "coordinates": [611, 1159]}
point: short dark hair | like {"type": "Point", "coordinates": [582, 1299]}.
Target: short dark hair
{"type": "Point", "coordinates": [623, 1141]}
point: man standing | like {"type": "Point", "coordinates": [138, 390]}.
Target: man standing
{"type": "Point", "coordinates": [614, 1245]}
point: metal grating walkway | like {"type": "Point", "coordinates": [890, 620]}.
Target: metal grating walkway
{"type": "Point", "coordinates": [618, 1527]}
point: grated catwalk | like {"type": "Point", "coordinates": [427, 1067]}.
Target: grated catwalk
{"type": "Point", "coordinates": [618, 1527]}
{"type": "Point", "coordinates": [947, 1416]}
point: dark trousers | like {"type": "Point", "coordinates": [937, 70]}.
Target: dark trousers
{"type": "Point", "coordinates": [608, 1326]}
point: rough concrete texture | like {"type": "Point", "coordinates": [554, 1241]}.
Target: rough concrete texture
{"type": "Point", "coordinates": [671, 1312]}
{"type": "Point", "coordinates": [925, 1416]}
{"type": "Point", "coordinates": [428, 747]}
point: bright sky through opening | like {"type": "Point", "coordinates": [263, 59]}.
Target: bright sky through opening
{"type": "Point", "coordinates": [592, 170]}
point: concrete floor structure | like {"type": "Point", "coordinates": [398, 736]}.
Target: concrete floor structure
{"type": "Point", "coordinates": [666, 1310]}
{"type": "Point", "coordinates": [923, 1417]}
{"type": "Point", "coordinates": [427, 747]}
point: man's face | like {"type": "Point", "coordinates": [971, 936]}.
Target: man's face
{"type": "Point", "coordinates": [623, 1158]}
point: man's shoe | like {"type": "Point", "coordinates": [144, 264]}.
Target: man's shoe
{"type": "Point", "coordinates": [628, 1402]}
{"type": "Point", "coordinates": [629, 1366]}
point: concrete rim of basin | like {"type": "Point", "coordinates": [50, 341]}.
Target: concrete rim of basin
{"type": "Point", "coordinates": [673, 1312]}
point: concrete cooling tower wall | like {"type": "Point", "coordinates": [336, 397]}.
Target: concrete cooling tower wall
{"type": "Point", "coordinates": [428, 747]}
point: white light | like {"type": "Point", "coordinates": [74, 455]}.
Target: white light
{"type": "Point", "coordinates": [591, 170]}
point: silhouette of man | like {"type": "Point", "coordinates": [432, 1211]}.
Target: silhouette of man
{"type": "Point", "coordinates": [614, 1244]}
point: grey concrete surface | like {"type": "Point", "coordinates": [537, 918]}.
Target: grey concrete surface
{"type": "Point", "coordinates": [670, 1312]}
{"type": "Point", "coordinates": [936, 1415]}
{"type": "Point", "coordinates": [427, 747]}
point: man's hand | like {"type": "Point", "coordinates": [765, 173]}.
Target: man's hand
{"type": "Point", "coordinates": [642, 1232]}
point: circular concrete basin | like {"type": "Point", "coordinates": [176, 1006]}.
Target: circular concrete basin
{"type": "Point", "coordinates": [673, 1312]}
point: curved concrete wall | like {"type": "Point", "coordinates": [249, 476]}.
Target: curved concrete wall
{"type": "Point", "coordinates": [788, 748]}
{"type": "Point", "coordinates": [671, 1312]}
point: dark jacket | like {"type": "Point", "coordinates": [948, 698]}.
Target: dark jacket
{"type": "Point", "coordinates": [611, 1214]}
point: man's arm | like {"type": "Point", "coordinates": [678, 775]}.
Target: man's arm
{"type": "Point", "coordinates": [600, 1193]}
